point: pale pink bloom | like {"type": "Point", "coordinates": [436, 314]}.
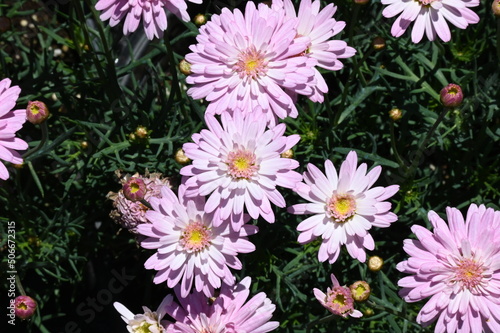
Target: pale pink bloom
{"type": "Point", "coordinates": [430, 16]}
{"type": "Point", "coordinates": [151, 12]}
{"type": "Point", "coordinates": [191, 250]}
{"type": "Point", "coordinates": [458, 267]}
{"type": "Point", "coordinates": [149, 321]}
{"type": "Point", "coordinates": [338, 299]}
{"type": "Point", "coordinates": [320, 27]}
{"type": "Point", "coordinates": [246, 60]}
{"type": "Point", "coordinates": [345, 208]}
{"type": "Point", "coordinates": [226, 313]}
{"type": "Point", "coordinates": [11, 121]}
{"type": "Point", "coordinates": [239, 165]}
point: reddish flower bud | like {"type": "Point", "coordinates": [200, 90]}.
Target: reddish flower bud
{"type": "Point", "coordinates": [495, 8]}
{"type": "Point", "coordinates": [134, 189]}
{"type": "Point", "coordinates": [395, 114]}
{"type": "Point", "coordinates": [37, 112]}
{"type": "Point", "coordinates": [451, 95]}
{"type": "Point", "coordinates": [25, 307]}
{"type": "Point", "coordinates": [378, 43]}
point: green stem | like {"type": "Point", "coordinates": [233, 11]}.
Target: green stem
{"type": "Point", "coordinates": [45, 136]}
{"type": "Point", "coordinates": [20, 286]}
{"type": "Point", "coordinates": [319, 321]}
{"type": "Point", "coordinates": [395, 149]}
{"type": "Point", "coordinates": [422, 146]}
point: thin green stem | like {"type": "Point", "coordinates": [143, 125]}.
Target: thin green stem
{"type": "Point", "coordinates": [45, 136]}
{"type": "Point", "coordinates": [423, 145]}
{"type": "Point", "coordinates": [319, 321]}
{"type": "Point", "coordinates": [395, 149]}
{"type": "Point", "coordinates": [20, 286]}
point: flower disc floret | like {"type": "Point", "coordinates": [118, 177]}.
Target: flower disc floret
{"type": "Point", "coordinates": [241, 163]}
{"type": "Point", "coordinates": [195, 237]}
{"type": "Point", "coordinates": [457, 266]}
{"type": "Point", "coordinates": [345, 207]}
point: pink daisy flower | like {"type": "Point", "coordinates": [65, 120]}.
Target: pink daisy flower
{"type": "Point", "coordinates": [320, 27]}
{"type": "Point", "coordinates": [149, 321]}
{"type": "Point", "coordinates": [190, 249]}
{"type": "Point", "coordinates": [239, 165]}
{"type": "Point", "coordinates": [430, 16]}
{"type": "Point", "coordinates": [345, 208]}
{"type": "Point", "coordinates": [458, 267]}
{"type": "Point", "coordinates": [338, 300]}
{"type": "Point", "coordinates": [151, 12]}
{"type": "Point", "coordinates": [11, 121]}
{"type": "Point", "coordinates": [246, 60]}
{"type": "Point", "coordinates": [226, 313]}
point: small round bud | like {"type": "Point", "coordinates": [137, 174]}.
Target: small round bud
{"type": "Point", "coordinates": [4, 24]}
{"type": "Point", "coordinates": [185, 67]}
{"type": "Point", "coordinates": [361, 2]}
{"type": "Point", "coordinates": [360, 291]}
{"type": "Point", "coordinates": [25, 307]}
{"type": "Point", "coordinates": [181, 158]}
{"type": "Point", "coordinates": [378, 43]}
{"type": "Point", "coordinates": [141, 133]}
{"type": "Point", "coordinates": [395, 114]}
{"type": "Point", "coordinates": [18, 166]}
{"type": "Point", "coordinates": [368, 312]}
{"type": "Point", "coordinates": [132, 137]}
{"type": "Point", "coordinates": [37, 112]}
{"type": "Point", "coordinates": [451, 95]}
{"type": "Point", "coordinates": [84, 144]}
{"type": "Point", "coordinates": [287, 154]}
{"type": "Point", "coordinates": [495, 8]}
{"type": "Point", "coordinates": [134, 189]}
{"type": "Point", "coordinates": [200, 19]}
{"type": "Point", "coordinates": [375, 263]}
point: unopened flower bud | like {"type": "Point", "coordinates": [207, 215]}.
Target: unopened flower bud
{"type": "Point", "coordinates": [25, 307]}
{"type": "Point", "coordinates": [361, 2]}
{"type": "Point", "coordinates": [378, 43]}
{"type": "Point", "coordinates": [185, 67]}
{"type": "Point", "coordinates": [495, 7]}
{"type": "Point", "coordinates": [368, 312]}
{"type": "Point", "coordinates": [287, 154]}
{"type": "Point", "coordinates": [360, 291]}
{"type": "Point", "coordinates": [181, 158]}
{"type": "Point", "coordinates": [451, 95]}
{"type": "Point", "coordinates": [375, 263]}
{"type": "Point", "coordinates": [141, 132]}
{"type": "Point", "coordinates": [84, 144]}
{"type": "Point", "coordinates": [134, 189]}
{"type": "Point", "coordinates": [395, 114]}
{"type": "Point", "coordinates": [200, 19]}
{"type": "Point", "coordinates": [37, 112]}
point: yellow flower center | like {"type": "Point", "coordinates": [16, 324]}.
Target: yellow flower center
{"type": "Point", "coordinates": [341, 207]}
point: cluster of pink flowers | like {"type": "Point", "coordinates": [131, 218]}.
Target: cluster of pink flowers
{"type": "Point", "coordinates": [250, 67]}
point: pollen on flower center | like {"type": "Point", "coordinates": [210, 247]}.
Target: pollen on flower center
{"type": "Point", "coordinates": [251, 63]}
{"type": "Point", "coordinates": [426, 2]}
{"type": "Point", "coordinates": [339, 300]}
{"type": "Point", "coordinates": [195, 237]}
{"type": "Point", "coordinates": [241, 164]}
{"type": "Point", "coordinates": [341, 207]}
{"type": "Point", "coordinates": [468, 273]}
